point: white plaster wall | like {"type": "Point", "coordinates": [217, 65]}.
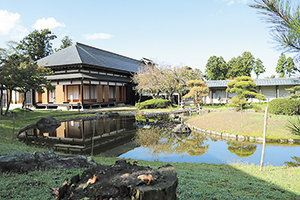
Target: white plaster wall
{"type": "Point", "coordinates": [269, 92]}
{"type": "Point", "coordinates": [283, 92]}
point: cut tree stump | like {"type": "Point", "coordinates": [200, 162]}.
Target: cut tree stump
{"type": "Point", "coordinates": [120, 181]}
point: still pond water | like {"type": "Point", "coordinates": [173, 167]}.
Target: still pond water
{"type": "Point", "coordinates": [115, 137]}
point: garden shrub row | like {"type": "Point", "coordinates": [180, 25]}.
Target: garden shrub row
{"type": "Point", "coordinates": [153, 103]}
{"type": "Point", "coordinates": [285, 106]}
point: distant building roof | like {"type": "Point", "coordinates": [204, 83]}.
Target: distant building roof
{"type": "Point", "coordinates": [259, 82]}
{"type": "Point", "coordinates": [84, 54]}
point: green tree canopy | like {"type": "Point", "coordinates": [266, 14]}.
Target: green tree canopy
{"type": "Point", "coordinates": [216, 68]}
{"type": "Point", "coordinates": [245, 88]}
{"type": "Point", "coordinates": [285, 66]}
{"type": "Point", "coordinates": [37, 44]}
{"type": "Point", "coordinates": [65, 42]}
{"type": "Point", "coordinates": [20, 73]}
{"type": "Point", "coordinates": [285, 20]}
{"type": "Point", "coordinates": [258, 68]}
{"type": "Point", "coordinates": [241, 66]}
{"type": "Point", "coordinates": [198, 89]}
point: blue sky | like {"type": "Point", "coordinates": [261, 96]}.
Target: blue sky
{"type": "Point", "coordinates": [175, 32]}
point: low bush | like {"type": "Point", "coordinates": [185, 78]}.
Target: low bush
{"type": "Point", "coordinates": [285, 106]}
{"type": "Point", "coordinates": [153, 103]}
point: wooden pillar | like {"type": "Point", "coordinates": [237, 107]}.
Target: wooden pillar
{"type": "Point", "coordinates": [45, 96]}
{"type": "Point", "coordinates": [211, 96]}
{"type": "Point", "coordinates": [66, 93]}
{"type": "Point", "coordinates": [117, 93]}
{"type": "Point", "coordinates": [99, 93]}
{"type": "Point", "coordinates": [81, 93]}
{"type": "Point", "coordinates": [277, 91]}
{"type": "Point", "coordinates": [106, 93]}
{"type": "Point", "coordinates": [90, 92]}
{"type": "Point", "coordinates": [59, 92]}
{"type": "Point", "coordinates": [124, 93]}
{"type": "Point", "coordinates": [20, 97]}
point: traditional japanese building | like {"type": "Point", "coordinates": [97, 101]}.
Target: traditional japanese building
{"type": "Point", "coordinates": [270, 88]}
{"type": "Point", "coordinates": [89, 77]}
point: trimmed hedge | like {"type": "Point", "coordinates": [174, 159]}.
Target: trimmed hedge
{"type": "Point", "coordinates": [153, 103]}
{"type": "Point", "coordinates": [285, 106]}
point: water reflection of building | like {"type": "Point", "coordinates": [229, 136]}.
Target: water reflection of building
{"type": "Point", "coordinates": [83, 135]}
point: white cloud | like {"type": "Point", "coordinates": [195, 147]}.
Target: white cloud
{"type": "Point", "coordinates": [8, 21]}
{"type": "Point", "coordinates": [19, 32]}
{"type": "Point", "coordinates": [97, 36]}
{"type": "Point", "coordinates": [50, 23]}
{"type": "Point", "coordinates": [231, 2]}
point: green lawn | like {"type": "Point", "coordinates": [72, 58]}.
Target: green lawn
{"type": "Point", "coordinates": [247, 123]}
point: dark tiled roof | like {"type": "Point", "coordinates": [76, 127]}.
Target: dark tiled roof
{"type": "Point", "coordinates": [84, 54]}
{"type": "Point", "coordinates": [259, 82]}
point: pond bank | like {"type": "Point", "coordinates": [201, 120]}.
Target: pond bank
{"type": "Point", "coordinates": [246, 127]}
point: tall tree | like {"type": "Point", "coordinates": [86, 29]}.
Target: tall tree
{"type": "Point", "coordinates": [19, 73]}
{"type": "Point", "coordinates": [164, 79]}
{"type": "Point", "coordinates": [65, 42]}
{"type": "Point", "coordinates": [11, 75]}
{"type": "Point", "coordinates": [285, 20]}
{"type": "Point", "coordinates": [174, 80]}
{"type": "Point", "coordinates": [37, 44]}
{"type": "Point", "coordinates": [241, 66]}
{"type": "Point", "coordinates": [148, 79]}
{"type": "Point", "coordinates": [285, 66]}
{"type": "Point", "coordinates": [258, 67]}
{"type": "Point", "coordinates": [216, 68]}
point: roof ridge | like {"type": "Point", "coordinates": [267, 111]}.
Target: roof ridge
{"type": "Point", "coordinates": [77, 52]}
{"type": "Point", "coordinates": [78, 43]}
{"type": "Point", "coordinates": [86, 53]}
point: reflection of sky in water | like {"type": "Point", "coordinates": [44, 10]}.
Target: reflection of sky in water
{"type": "Point", "coordinates": [218, 153]}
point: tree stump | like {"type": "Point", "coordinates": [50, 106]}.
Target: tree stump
{"type": "Point", "coordinates": [123, 181]}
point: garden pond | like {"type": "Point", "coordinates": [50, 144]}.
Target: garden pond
{"type": "Point", "coordinates": [121, 137]}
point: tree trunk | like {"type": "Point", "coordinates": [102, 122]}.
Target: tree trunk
{"type": "Point", "coordinates": [170, 97]}
{"type": "Point", "coordinates": [1, 100]}
{"type": "Point", "coordinates": [24, 100]}
{"type": "Point", "coordinates": [8, 102]}
{"type": "Point", "coordinates": [264, 139]}
{"type": "Point", "coordinates": [179, 99]}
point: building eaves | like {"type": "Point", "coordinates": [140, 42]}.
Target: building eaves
{"type": "Point", "coordinates": [259, 82]}
{"type": "Point", "coordinates": [87, 76]}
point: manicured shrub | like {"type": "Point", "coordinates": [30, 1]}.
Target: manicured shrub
{"type": "Point", "coordinates": [285, 106]}
{"type": "Point", "coordinates": [153, 103]}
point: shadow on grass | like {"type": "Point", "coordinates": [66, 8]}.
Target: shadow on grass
{"type": "Point", "coordinates": [211, 181]}
{"type": "Point", "coordinates": [196, 181]}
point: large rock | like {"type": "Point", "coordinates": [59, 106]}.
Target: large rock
{"type": "Point", "coordinates": [121, 181]}
{"type": "Point", "coordinates": [48, 124]}
{"type": "Point", "coordinates": [22, 162]}
{"type": "Point", "coordinates": [181, 128]}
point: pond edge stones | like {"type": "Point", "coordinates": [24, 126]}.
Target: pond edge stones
{"type": "Point", "coordinates": [241, 138]}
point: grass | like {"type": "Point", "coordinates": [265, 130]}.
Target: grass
{"type": "Point", "coordinates": [196, 181]}
{"type": "Point", "coordinates": [249, 124]}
